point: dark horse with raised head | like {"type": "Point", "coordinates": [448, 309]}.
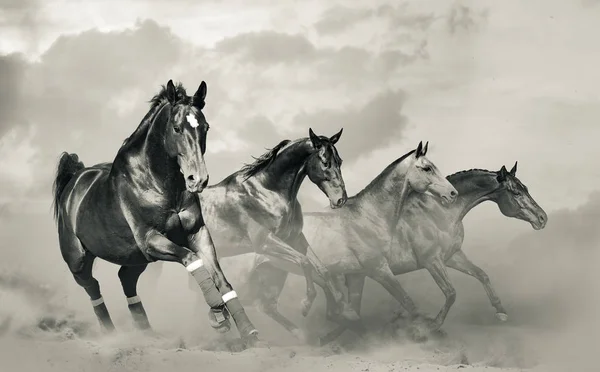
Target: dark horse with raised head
{"type": "Point", "coordinates": [256, 210]}
{"type": "Point", "coordinates": [144, 207]}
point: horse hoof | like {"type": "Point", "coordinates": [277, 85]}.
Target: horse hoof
{"type": "Point", "coordinates": [350, 314]}
{"type": "Point", "coordinates": [502, 317]}
{"type": "Point", "coordinates": [306, 305]}
{"type": "Point", "coordinates": [252, 341]}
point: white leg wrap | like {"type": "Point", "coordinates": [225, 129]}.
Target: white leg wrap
{"type": "Point", "coordinates": [133, 300]}
{"type": "Point", "coordinates": [194, 265]}
{"type": "Point", "coordinates": [97, 302]}
{"type": "Point", "coordinates": [229, 296]}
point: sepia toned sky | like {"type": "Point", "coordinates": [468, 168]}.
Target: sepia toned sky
{"type": "Point", "coordinates": [486, 82]}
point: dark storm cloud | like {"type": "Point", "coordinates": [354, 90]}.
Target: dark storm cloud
{"type": "Point", "coordinates": [367, 127]}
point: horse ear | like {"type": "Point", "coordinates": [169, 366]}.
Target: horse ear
{"type": "Point", "coordinates": [336, 137]}
{"type": "Point", "coordinates": [171, 92]}
{"type": "Point", "coordinates": [201, 92]}
{"type": "Point", "coordinates": [425, 148]}
{"type": "Point", "coordinates": [199, 96]}
{"type": "Point", "coordinates": [513, 171]}
{"type": "Point", "coordinates": [419, 149]}
{"type": "Point", "coordinates": [502, 174]}
{"type": "Point", "coordinates": [316, 141]}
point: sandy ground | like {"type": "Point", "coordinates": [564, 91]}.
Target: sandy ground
{"type": "Point", "coordinates": [47, 324]}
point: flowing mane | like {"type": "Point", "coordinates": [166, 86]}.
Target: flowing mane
{"type": "Point", "coordinates": [260, 163]}
{"type": "Point", "coordinates": [156, 102]}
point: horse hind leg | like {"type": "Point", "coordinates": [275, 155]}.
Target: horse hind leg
{"type": "Point", "coordinates": [129, 275]}
{"type": "Point", "coordinates": [80, 264]}
{"type": "Point", "coordinates": [267, 283]}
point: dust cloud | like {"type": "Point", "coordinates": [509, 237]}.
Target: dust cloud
{"type": "Point", "coordinates": [547, 280]}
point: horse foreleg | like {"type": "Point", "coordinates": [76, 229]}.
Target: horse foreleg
{"type": "Point", "coordinates": [438, 271]}
{"type": "Point", "coordinates": [355, 285]}
{"type": "Point", "coordinates": [274, 247]}
{"type": "Point", "coordinates": [383, 275]}
{"type": "Point", "coordinates": [129, 275]}
{"type": "Point", "coordinates": [267, 282]}
{"type": "Point", "coordinates": [460, 262]}
{"type": "Point", "coordinates": [160, 247]}
{"type": "Point", "coordinates": [202, 243]}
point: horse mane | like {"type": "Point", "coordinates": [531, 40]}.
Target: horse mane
{"type": "Point", "coordinates": [157, 101]}
{"type": "Point", "coordinates": [462, 172]}
{"type": "Point", "coordinates": [260, 163]}
{"type": "Point", "coordinates": [385, 172]}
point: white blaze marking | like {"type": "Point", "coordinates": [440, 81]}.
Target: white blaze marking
{"type": "Point", "coordinates": [192, 120]}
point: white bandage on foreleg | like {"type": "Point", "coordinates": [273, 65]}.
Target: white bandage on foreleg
{"type": "Point", "coordinates": [97, 302]}
{"type": "Point", "coordinates": [194, 265]}
{"type": "Point", "coordinates": [133, 300]}
{"type": "Point", "coordinates": [229, 296]}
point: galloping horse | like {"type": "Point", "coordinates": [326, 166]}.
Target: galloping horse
{"type": "Point", "coordinates": [144, 207]}
{"type": "Point", "coordinates": [430, 235]}
{"type": "Point", "coordinates": [256, 210]}
{"type": "Point", "coordinates": [358, 235]}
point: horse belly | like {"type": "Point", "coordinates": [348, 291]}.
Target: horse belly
{"type": "Point", "coordinates": [105, 233]}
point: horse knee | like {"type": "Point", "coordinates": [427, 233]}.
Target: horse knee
{"type": "Point", "coordinates": [451, 295]}
{"type": "Point", "coordinates": [267, 307]}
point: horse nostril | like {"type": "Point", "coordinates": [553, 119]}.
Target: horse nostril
{"type": "Point", "coordinates": [205, 183]}
{"type": "Point", "coordinates": [542, 218]}
{"type": "Point", "coordinates": [191, 178]}
{"type": "Point", "coordinates": [453, 193]}
{"type": "Point", "coordinates": [340, 201]}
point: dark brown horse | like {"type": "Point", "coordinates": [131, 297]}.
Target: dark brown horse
{"type": "Point", "coordinates": [256, 210]}
{"type": "Point", "coordinates": [144, 207]}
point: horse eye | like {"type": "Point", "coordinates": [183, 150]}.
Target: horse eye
{"type": "Point", "coordinates": [427, 169]}
{"type": "Point", "coordinates": [177, 129]}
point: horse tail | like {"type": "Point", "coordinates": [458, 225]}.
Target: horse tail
{"type": "Point", "coordinates": [68, 165]}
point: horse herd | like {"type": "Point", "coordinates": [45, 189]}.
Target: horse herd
{"type": "Point", "coordinates": [153, 203]}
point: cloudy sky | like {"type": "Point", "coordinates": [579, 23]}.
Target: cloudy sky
{"type": "Point", "coordinates": [486, 82]}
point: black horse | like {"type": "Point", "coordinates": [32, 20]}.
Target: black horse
{"type": "Point", "coordinates": [144, 207]}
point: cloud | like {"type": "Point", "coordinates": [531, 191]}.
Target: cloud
{"type": "Point", "coordinates": [339, 18]}
{"type": "Point", "coordinates": [463, 17]}
{"type": "Point", "coordinates": [376, 124]}
{"type": "Point", "coordinates": [68, 96]}
{"type": "Point", "coordinates": [12, 71]}
{"type": "Point", "coordinates": [89, 91]}
{"type": "Point", "coordinates": [267, 47]}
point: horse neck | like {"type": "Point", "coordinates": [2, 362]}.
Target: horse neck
{"type": "Point", "coordinates": [386, 194]}
{"type": "Point", "coordinates": [144, 157]}
{"type": "Point", "coordinates": [474, 187]}
{"type": "Point", "coordinates": [288, 170]}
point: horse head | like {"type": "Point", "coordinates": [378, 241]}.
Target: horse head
{"type": "Point", "coordinates": [514, 200]}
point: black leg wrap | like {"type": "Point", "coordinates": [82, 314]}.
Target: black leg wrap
{"type": "Point", "coordinates": [104, 317]}
{"type": "Point", "coordinates": [140, 318]}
